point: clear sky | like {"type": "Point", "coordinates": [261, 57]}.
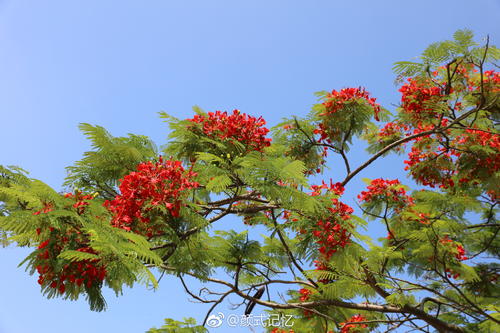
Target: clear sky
{"type": "Point", "coordinates": [117, 63]}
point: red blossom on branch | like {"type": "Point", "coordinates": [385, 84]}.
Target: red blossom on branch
{"type": "Point", "coordinates": [350, 326]}
{"type": "Point", "coordinates": [392, 129]}
{"type": "Point", "coordinates": [330, 234]}
{"type": "Point", "coordinates": [386, 190]}
{"type": "Point", "coordinates": [336, 100]}
{"type": "Point", "coordinates": [436, 166]}
{"type": "Point", "coordinates": [455, 248]}
{"type": "Point", "coordinates": [305, 293]}
{"type": "Point", "coordinates": [47, 207]}
{"type": "Point", "coordinates": [417, 99]}
{"type": "Point", "coordinates": [81, 200]}
{"type": "Point", "coordinates": [335, 188]}
{"type": "Point", "coordinates": [160, 184]}
{"type": "Point", "coordinates": [492, 79]}
{"type": "Point", "coordinates": [237, 126]}
{"type": "Point", "coordinates": [89, 273]}
{"type": "Point", "coordinates": [482, 165]}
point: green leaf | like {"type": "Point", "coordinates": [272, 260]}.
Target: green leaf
{"type": "Point", "coordinates": [218, 183]}
{"type": "Point", "coordinates": [77, 255]}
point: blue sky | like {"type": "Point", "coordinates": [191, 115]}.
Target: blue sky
{"type": "Point", "coordinates": [118, 63]}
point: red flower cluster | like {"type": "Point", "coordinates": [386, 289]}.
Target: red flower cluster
{"type": "Point", "coordinates": [483, 164]}
{"type": "Point", "coordinates": [436, 167]}
{"type": "Point", "coordinates": [423, 218]}
{"type": "Point", "coordinates": [331, 236]}
{"type": "Point", "coordinates": [479, 137]}
{"type": "Point", "coordinates": [47, 207]}
{"type": "Point", "coordinates": [460, 253]}
{"type": "Point", "coordinates": [428, 167]}
{"type": "Point", "coordinates": [81, 201]}
{"type": "Point", "coordinates": [305, 293]}
{"type": "Point", "coordinates": [456, 248]}
{"type": "Point", "coordinates": [453, 161]}
{"type": "Point", "coordinates": [153, 184]}
{"type": "Point", "coordinates": [320, 266]}
{"type": "Point", "coordinates": [341, 210]}
{"type": "Point", "coordinates": [416, 97]}
{"type": "Point", "coordinates": [350, 326]}
{"type": "Point", "coordinates": [237, 126]}
{"type": "Point", "coordinates": [451, 273]}
{"type": "Point", "coordinates": [492, 78]}
{"type": "Point", "coordinates": [336, 188]}
{"type": "Point", "coordinates": [386, 190]}
{"type": "Point", "coordinates": [329, 233]}
{"type": "Point", "coordinates": [393, 131]}
{"type": "Point", "coordinates": [304, 296]}
{"type": "Point", "coordinates": [85, 272]}
{"type": "Point", "coordinates": [336, 100]}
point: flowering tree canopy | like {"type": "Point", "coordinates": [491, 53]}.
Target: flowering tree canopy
{"type": "Point", "coordinates": [134, 211]}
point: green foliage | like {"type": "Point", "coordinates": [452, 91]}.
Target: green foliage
{"type": "Point", "coordinates": [188, 325]}
{"type": "Point", "coordinates": [297, 141]}
{"type": "Point", "coordinates": [110, 160]}
{"type": "Point", "coordinates": [441, 52]}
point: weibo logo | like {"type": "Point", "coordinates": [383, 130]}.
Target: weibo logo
{"type": "Point", "coordinates": [215, 320]}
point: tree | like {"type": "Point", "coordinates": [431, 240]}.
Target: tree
{"type": "Point", "coordinates": [133, 210]}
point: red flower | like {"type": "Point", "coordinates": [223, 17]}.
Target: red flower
{"type": "Point", "coordinates": [153, 184]}
{"type": "Point", "coordinates": [418, 99]}
{"type": "Point", "coordinates": [330, 234]}
{"type": "Point", "coordinates": [336, 188]}
{"type": "Point", "coordinates": [47, 207]}
{"type": "Point", "coordinates": [387, 190]}
{"type": "Point", "coordinates": [237, 126]}
{"type": "Point", "coordinates": [43, 244]}
{"type": "Point", "coordinates": [336, 100]}
{"type": "Point", "coordinates": [350, 326]}
{"type": "Point", "coordinates": [305, 293]}
{"type": "Point", "coordinates": [450, 161]}
{"type": "Point", "coordinates": [48, 266]}
{"type": "Point", "coordinates": [81, 201]}
{"type": "Point", "coordinates": [456, 248]}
